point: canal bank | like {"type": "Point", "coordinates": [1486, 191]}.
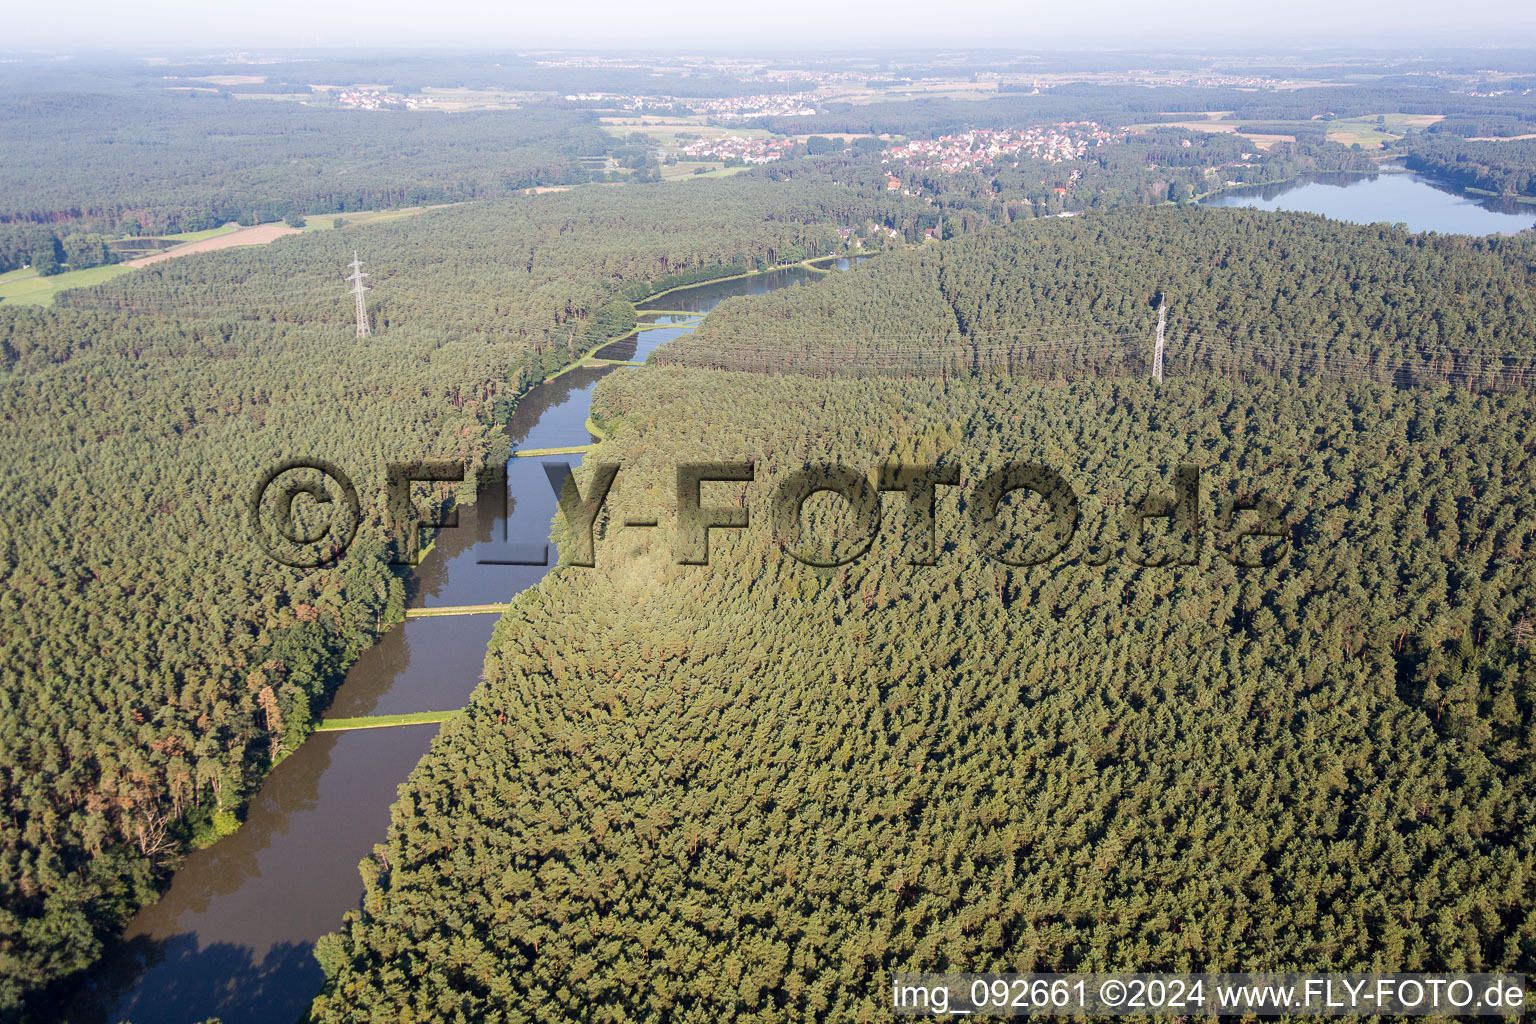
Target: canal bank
{"type": "Point", "coordinates": [234, 933]}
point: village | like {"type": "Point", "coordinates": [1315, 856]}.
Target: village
{"type": "Point", "coordinates": [733, 108]}
{"type": "Point", "coordinates": [726, 108]}
{"type": "Point", "coordinates": [983, 148]}
{"type": "Point", "coordinates": [619, 101]}
{"type": "Point", "coordinates": [732, 148]}
{"type": "Point", "coordinates": [376, 99]}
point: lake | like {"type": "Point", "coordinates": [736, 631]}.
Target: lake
{"type": "Point", "coordinates": [1391, 197]}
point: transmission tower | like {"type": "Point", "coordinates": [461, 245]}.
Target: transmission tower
{"type": "Point", "coordinates": [1157, 352]}
{"type": "Point", "coordinates": [357, 291]}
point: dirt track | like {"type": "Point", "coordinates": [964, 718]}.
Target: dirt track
{"type": "Point", "coordinates": [260, 235]}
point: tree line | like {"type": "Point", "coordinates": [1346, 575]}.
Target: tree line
{"type": "Point", "coordinates": [153, 663]}
{"type": "Point", "coordinates": [754, 790]}
{"type": "Point", "coordinates": [109, 163]}
{"type": "Point", "coordinates": [1250, 293]}
{"type": "Point", "coordinates": [1506, 167]}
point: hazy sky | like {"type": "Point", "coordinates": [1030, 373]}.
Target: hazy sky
{"type": "Point", "coordinates": [789, 24]}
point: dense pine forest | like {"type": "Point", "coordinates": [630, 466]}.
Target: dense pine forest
{"type": "Point", "coordinates": [85, 167]}
{"type": "Point", "coordinates": [114, 163]}
{"type": "Point", "coordinates": [752, 790]}
{"type": "Point", "coordinates": [153, 663]}
{"type": "Point", "coordinates": [1505, 167]}
{"type": "Point", "coordinates": [1249, 293]}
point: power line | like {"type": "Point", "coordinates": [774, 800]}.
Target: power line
{"type": "Point", "coordinates": [358, 288]}
{"type": "Point", "coordinates": [1493, 369]}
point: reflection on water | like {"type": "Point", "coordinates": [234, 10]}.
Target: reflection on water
{"type": "Point", "coordinates": [387, 680]}
{"type": "Point", "coordinates": [702, 298]}
{"type": "Point", "coordinates": [839, 262]}
{"type": "Point", "coordinates": [639, 345]}
{"type": "Point", "coordinates": [222, 977]}
{"type": "Point", "coordinates": [234, 934]}
{"type": "Point", "coordinates": [1411, 199]}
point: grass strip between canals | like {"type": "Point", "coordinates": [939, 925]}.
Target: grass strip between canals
{"type": "Point", "coordinates": [384, 721]}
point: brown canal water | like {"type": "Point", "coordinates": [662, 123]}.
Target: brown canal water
{"type": "Point", "coordinates": [233, 936]}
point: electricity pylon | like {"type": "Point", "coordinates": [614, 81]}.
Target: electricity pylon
{"type": "Point", "coordinates": [358, 289]}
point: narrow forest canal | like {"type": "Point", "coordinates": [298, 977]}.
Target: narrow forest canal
{"type": "Point", "coordinates": [234, 935]}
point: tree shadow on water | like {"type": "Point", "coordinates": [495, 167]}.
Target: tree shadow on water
{"type": "Point", "coordinates": [144, 981]}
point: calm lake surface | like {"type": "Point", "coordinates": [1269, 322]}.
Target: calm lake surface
{"type": "Point", "coordinates": [234, 935]}
{"type": "Point", "coordinates": [1412, 199]}
{"type": "Point", "coordinates": [702, 298]}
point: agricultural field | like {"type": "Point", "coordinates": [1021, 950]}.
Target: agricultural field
{"type": "Point", "coordinates": [947, 89]}
{"type": "Point", "coordinates": [259, 235]}
{"type": "Point", "coordinates": [199, 236]}
{"type": "Point", "coordinates": [457, 100]}
{"type": "Point", "coordinates": [1346, 131]}
{"type": "Point", "coordinates": [666, 133]}
{"type": "Point", "coordinates": [1367, 135]}
{"type": "Point", "coordinates": [23, 288]}
{"type": "Point", "coordinates": [1263, 140]}
{"type": "Point", "coordinates": [714, 172]}
{"type": "Point", "coordinates": [690, 169]}
{"type": "Point", "coordinates": [327, 221]}
{"type": "Point", "coordinates": [1373, 134]}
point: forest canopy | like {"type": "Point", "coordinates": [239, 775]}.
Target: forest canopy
{"type": "Point", "coordinates": [752, 790]}
{"type": "Point", "coordinates": [115, 163]}
{"type": "Point", "coordinates": [137, 417]}
{"type": "Point", "coordinates": [1249, 292]}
